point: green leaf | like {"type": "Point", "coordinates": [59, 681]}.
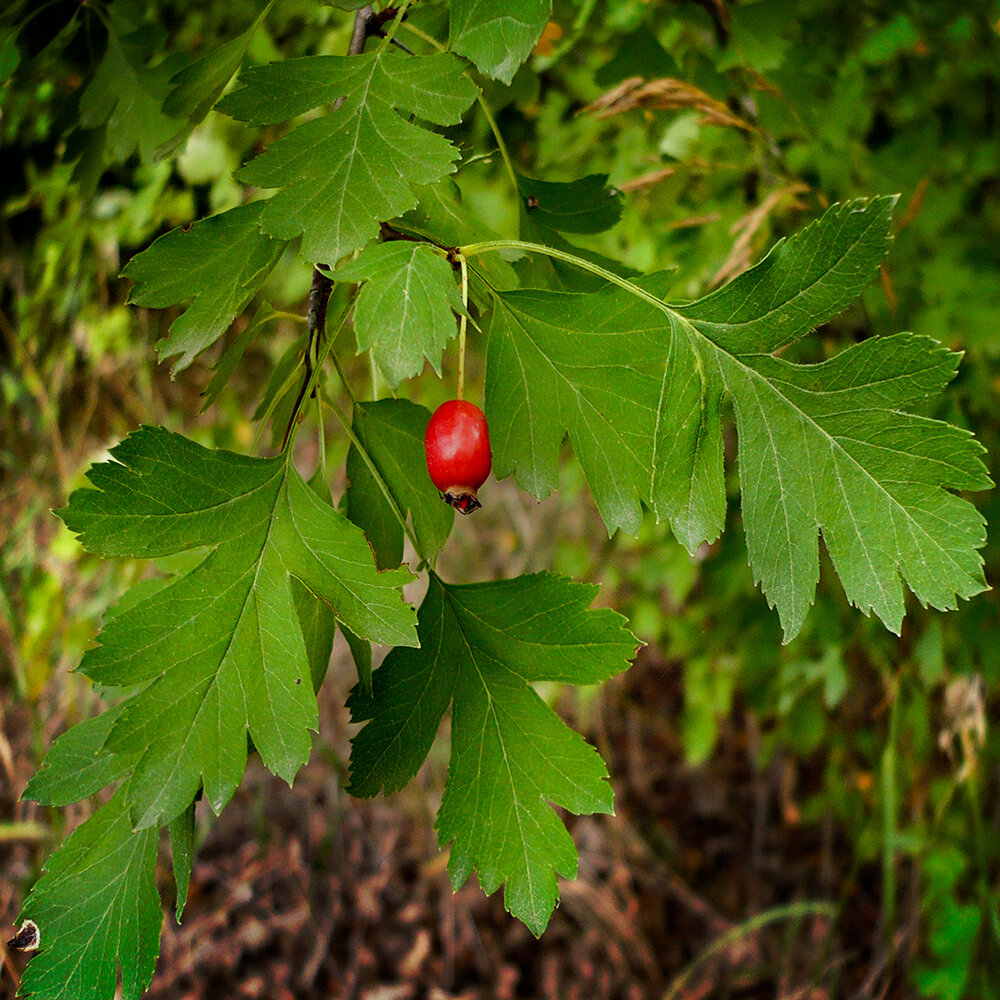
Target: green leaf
{"type": "Point", "coordinates": [392, 431]}
{"type": "Point", "coordinates": [481, 647]}
{"type": "Point", "coordinates": [97, 911]}
{"type": "Point", "coordinates": [233, 354]}
{"type": "Point", "coordinates": [343, 173]}
{"type": "Point", "coordinates": [283, 383]}
{"type": "Point", "coordinates": [125, 96]}
{"type": "Point", "coordinates": [584, 364]}
{"type": "Point", "coordinates": [954, 932]}
{"type": "Point", "coordinates": [316, 617]}
{"type": "Point", "coordinates": [221, 647]}
{"type": "Point", "coordinates": [182, 855]}
{"type": "Point", "coordinates": [550, 208]}
{"type": "Point", "coordinates": [587, 205]}
{"type": "Point", "coordinates": [197, 87]}
{"type": "Point", "coordinates": [638, 386]}
{"type": "Point", "coordinates": [219, 262]}
{"type": "Point", "coordinates": [77, 764]}
{"type": "Point", "coordinates": [801, 283]}
{"type": "Point", "coordinates": [405, 310]}
{"type": "Point", "coordinates": [361, 653]}
{"type": "Point", "coordinates": [497, 35]}
{"type": "Point", "coordinates": [638, 54]}
{"type": "Point", "coordinates": [319, 625]}
{"type": "Point", "coordinates": [758, 36]}
{"type": "Point", "coordinates": [889, 39]}
{"type": "Point", "coordinates": [708, 697]}
{"type": "Point", "coordinates": [829, 447]}
{"type": "Point", "coordinates": [10, 58]}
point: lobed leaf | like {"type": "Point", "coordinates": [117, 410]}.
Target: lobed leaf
{"type": "Point", "coordinates": [829, 448]}
{"type": "Point", "coordinates": [497, 35]}
{"type": "Point", "coordinates": [221, 649]}
{"type": "Point", "coordinates": [182, 855]}
{"type": "Point", "coordinates": [219, 262]}
{"type": "Point", "coordinates": [342, 174]}
{"type": "Point", "coordinates": [481, 647]}
{"type": "Point", "coordinates": [584, 364]}
{"type": "Point", "coordinates": [122, 105]}
{"type": "Point", "coordinates": [196, 88]}
{"type": "Point", "coordinates": [586, 205]}
{"type": "Point", "coordinates": [405, 310]}
{"type": "Point", "coordinates": [550, 208]}
{"type": "Point", "coordinates": [77, 764]}
{"type": "Point", "coordinates": [97, 910]}
{"type": "Point", "coordinates": [801, 283]}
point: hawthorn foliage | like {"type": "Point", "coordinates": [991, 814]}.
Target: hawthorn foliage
{"type": "Point", "coordinates": [353, 175]}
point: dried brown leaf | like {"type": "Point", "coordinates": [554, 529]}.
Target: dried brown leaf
{"type": "Point", "coordinates": [746, 228]}
{"type": "Point", "coordinates": [647, 180]}
{"type": "Point", "coordinates": [665, 94]}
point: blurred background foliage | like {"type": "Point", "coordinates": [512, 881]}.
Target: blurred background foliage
{"type": "Point", "coordinates": [775, 110]}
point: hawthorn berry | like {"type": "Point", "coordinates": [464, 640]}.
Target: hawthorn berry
{"type": "Point", "coordinates": [457, 449]}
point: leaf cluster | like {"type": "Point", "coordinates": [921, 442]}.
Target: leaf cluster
{"type": "Point", "coordinates": [634, 370]}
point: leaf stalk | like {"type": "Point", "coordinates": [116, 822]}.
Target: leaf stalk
{"type": "Point", "coordinates": [474, 249]}
{"type": "Point", "coordinates": [394, 27]}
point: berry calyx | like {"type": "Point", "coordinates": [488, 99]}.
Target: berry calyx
{"type": "Point", "coordinates": [457, 449]}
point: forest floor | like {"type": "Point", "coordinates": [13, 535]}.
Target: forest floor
{"type": "Point", "coordinates": [702, 886]}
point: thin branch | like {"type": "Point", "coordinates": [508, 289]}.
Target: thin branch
{"type": "Point", "coordinates": [387, 234]}
{"type": "Point", "coordinates": [323, 348]}
{"type": "Point", "coordinates": [362, 29]}
{"type": "Point", "coordinates": [319, 299]}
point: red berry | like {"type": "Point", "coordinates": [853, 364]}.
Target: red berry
{"type": "Point", "coordinates": [457, 448]}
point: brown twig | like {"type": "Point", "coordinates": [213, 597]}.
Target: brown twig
{"type": "Point", "coordinates": [387, 234]}
{"type": "Point", "coordinates": [362, 29]}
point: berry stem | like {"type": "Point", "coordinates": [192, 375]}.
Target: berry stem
{"type": "Point", "coordinates": [462, 323]}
